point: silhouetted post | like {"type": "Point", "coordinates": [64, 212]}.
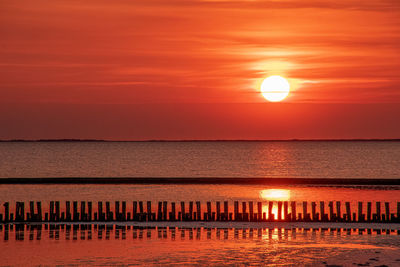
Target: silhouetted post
{"type": "Point", "coordinates": [89, 218]}
{"type": "Point", "coordinates": [286, 210]}
{"type": "Point", "coordinates": [398, 211]}
{"type": "Point", "coordinates": [83, 211]}
{"type": "Point", "coordinates": [183, 211]}
{"type": "Point", "coordinates": [293, 210]}
{"type": "Point", "coordinates": [305, 217]}
{"type": "Point", "coordinates": [369, 211]}
{"type": "Point", "coordinates": [236, 210]}
{"type": "Point", "coordinates": [245, 216]}
{"type": "Point", "coordinates": [259, 211]}
{"type": "Point", "coordinates": [117, 213]}
{"type": "Point", "coordinates": [208, 212]}
{"type": "Point", "coordinates": [159, 211]}
{"type": "Point", "coordinates": [338, 212]}
{"type": "Point", "coordinates": [165, 210]}
{"type": "Point", "coordinates": [279, 210]}
{"type": "Point", "coordinates": [226, 211]}
{"type": "Point", "coordinates": [39, 211]}
{"type": "Point", "coordinates": [141, 212]}
{"type": "Point", "coordinates": [322, 211]}
{"type": "Point", "coordinates": [313, 208]}
{"type": "Point", "coordinates": [32, 211]}
{"type": "Point", "coordinates": [75, 210]}
{"type": "Point", "coordinates": [270, 214]}
{"type": "Point", "coordinates": [191, 210]}
{"type": "Point", "coordinates": [100, 211]}
{"type": "Point", "coordinates": [387, 211]}
{"type": "Point", "coordinates": [135, 211]}
{"type": "Point", "coordinates": [51, 217]}
{"type": "Point", "coordinates": [218, 208]}
{"type": "Point", "coordinates": [378, 211]}
{"type": "Point", "coordinates": [332, 216]}
{"type": "Point", "coordinates": [251, 211]}
{"type": "Point", "coordinates": [173, 213]}
{"type": "Point", "coordinates": [360, 212]}
{"type": "Point", "coordinates": [149, 211]}
{"type": "Point", "coordinates": [57, 215]}
{"type": "Point", "coordinates": [108, 211]}
{"type": "Point", "coordinates": [198, 210]}
{"type": "Point", "coordinates": [348, 211]}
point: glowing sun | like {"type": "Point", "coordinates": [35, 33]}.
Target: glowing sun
{"type": "Point", "coordinates": [275, 88]}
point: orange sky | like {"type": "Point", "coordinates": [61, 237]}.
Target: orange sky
{"type": "Point", "coordinates": [189, 69]}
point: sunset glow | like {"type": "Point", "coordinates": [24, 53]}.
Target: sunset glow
{"type": "Point", "coordinates": [275, 194]}
{"type": "Point", "coordinates": [275, 88]}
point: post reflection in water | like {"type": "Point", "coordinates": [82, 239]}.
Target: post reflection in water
{"type": "Point", "coordinates": [116, 232]}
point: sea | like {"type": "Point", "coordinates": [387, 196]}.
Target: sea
{"type": "Point", "coordinates": [199, 244]}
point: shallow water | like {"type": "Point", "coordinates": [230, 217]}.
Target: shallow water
{"type": "Point", "coordinates": [119, 245]}
{"type": "Point", "coordinates": [321, 159]}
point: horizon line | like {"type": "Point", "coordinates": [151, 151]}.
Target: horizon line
{"type": "Point", "coordinates": [207, 140]}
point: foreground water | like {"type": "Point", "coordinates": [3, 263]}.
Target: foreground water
{"type": "Point", "coordinates": [320, 159]}
{"type": "Point", "coordinates": [103, 245]}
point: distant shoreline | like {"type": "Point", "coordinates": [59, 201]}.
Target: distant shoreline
{"type": "Point", "coordinates": [199, 140]}
{"type": "Point", "coordinates": [201, 180]}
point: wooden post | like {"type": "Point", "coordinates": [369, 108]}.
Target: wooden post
{"type": "Point", "coordinates": [236, 210]}
{"type": "Point", "coordinates": [313, 211]}
{"type": "Point", "coordinates": [398, 211]}
{"type": "Point", "coordinates": [378, 211]}
{"type": "Point", "coordinates": [338, 212]}
{"type": "Point", "coordinates": [245, 216]}
{"type": "Point", "coordinates": [134, 210]}
{"type": "Point", "coordinates": [332, 216]}
{"type": "Point", "coordinates": [369, 211]}
{"type": "Point", "coordinates": [226, 211]}
{"type": "Point", "coordinates": [39, 211]}
{"type": "Point", "coordinates": [108, 211]}
{"type": "Point", "coordinates": [198, 210]}
{"type": "Point", "coordinates": [305, 217]}
{"type": "Point", "coordinates": [293, 210]}
{"type": "Point", "coordinates": [348, 211]}
{"type": "Point", "coordinates": [286, 210]}
{"type": "Point", "coordinates": [83, 211]}
{"type": "Point", "coordinates": [159, 211]}
{"type": "Point", "coordinates": [116, 210]}
{"type": "Point", "coordinates": [173, 213]}
{"type": "Point", "coordinates": [51, 212]}
{"type": "Point", "coordinates": [279, 210]}
{"type": "Point", "coordinates": [387, 211]}
{"type": "Point", "coordinates": [270, 214]}
{"type": "Point", "coordinates": [191, 210]}
{"type": "Point", "coordinates": [218, 208]}
{"type": "Point", "coordinates": [259, 211]}
{"type": "Point", "coordinates": [251, 211]}
{"type": "Point", "coordinates": [32, 211]}
{"type": "Point", "coordinates": [75, 210]}
{"type": "Point", "coordinates": [360, 212]}
{"type": "Point", "coordinates": [165, 210]}
{"type": "Point", "coordinates": [100, 211]}
{"type": "Point", "coordinates": [322, 211]}
{"type": "Point", "coordinates": [149, 211]}
{"type": "Point", "coordinates": [183, 211]}
{"type": "Point", "coordinates": [57, 215]}
{"type": "Point", "coordinates": [89, 218]}
{"type": "Point", "coordinates": [208, 211]}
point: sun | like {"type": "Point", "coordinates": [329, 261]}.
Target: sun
{"type": "Point", "coordinates": [275, 88]}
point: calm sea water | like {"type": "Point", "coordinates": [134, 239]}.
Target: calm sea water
{"type": "Point", "coordinates": [201, 159]}
{"type": "Point", "coordinates": [166, 246]}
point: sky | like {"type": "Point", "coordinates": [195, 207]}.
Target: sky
{"type": "Point", "coordinates": [191, 69]}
